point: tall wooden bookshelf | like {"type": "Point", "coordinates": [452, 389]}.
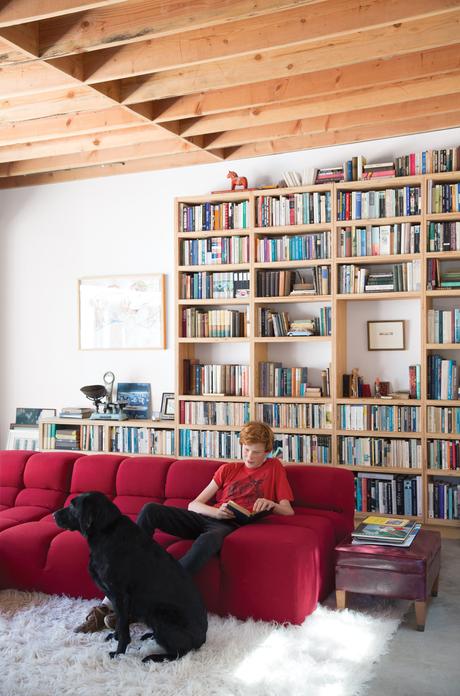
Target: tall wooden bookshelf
{"type": "Point", "coordinates": [320, 437]}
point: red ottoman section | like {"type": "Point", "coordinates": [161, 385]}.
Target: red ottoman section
{"type": "Point", "coordinates": [12, 466]}
{"type": "Point", "coordinates": [140, 480]}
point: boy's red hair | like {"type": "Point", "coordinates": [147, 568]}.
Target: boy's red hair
{"type": "Point", "coordinates": [255, 432]}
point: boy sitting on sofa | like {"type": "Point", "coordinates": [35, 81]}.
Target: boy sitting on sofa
{"type": "Point", "coordinates": [258, 483]}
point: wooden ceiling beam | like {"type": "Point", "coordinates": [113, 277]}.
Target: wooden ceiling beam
{"type": "Point", "coordinates": [55, 103]}
{"type": "Point", "coordinates": [117, 154]}
{"type": "Point", "coordinates": [65, 125]}
{"type": "Point", "coordinates": [275, 30]}
{"type": "Point", "coordinates": [19, 11]}
{"type": "Point", "coordinates": [332, 80]}
{"type": "Point", "coordinates": [135, 21]}
{"type": "Point", "coordinates": [94, 141]}
{"type": "Point", "coordinates": [336, 122]}
{"type": "Point", "coordinates": [352, 135]}
{"type": "Point", "coordinates": [397, 93]}
{"type": "Point", "coordinates": [403, 38]}
{"type": "Point", "coordinates": [190, 159]}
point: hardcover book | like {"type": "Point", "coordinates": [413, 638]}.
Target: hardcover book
{"type": "Point", "coordinates": [244, 516]}
{"type": "Point", "coordinates": [383, 529]}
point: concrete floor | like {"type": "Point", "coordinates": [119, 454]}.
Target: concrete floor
{"type": "Point", "coordinates": [428, 663]}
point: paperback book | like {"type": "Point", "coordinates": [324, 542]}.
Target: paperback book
{"type": "Point", "coordinates": [383, 529]}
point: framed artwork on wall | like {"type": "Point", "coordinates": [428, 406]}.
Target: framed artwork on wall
{"type": "Point", "coordinates": [122, 312]}
{"type": "Point", "coordinates": [385, 335]}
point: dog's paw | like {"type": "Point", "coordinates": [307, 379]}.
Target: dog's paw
{"type": "Point", "coordinates": [113, 653]}
{"type": "Point", "coordinates": [158, 658]}
{"type": "Point", "coordinates": [111, 636]}
{"type": "Point", "coordinates": [147, 635]}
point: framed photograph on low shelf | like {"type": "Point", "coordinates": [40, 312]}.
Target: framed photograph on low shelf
{"type": "Point", "coordinates": [167, 411]}
{"type": "Point", "coordinates": [385, 335]}
{"type": "Point", "coordinates": [137, 397]}
{"type": "Point", "coordinates": [122, 312]}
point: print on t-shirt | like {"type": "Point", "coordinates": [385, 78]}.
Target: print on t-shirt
{"type": "Point", "coordinates": [247, 492]}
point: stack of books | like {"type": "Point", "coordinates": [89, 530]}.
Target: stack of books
{"type": "Point", "coordinates": [302, 327]}
{"type": "Point", "coordinates": [329, 175]}
{"type": "Point", "coordinates": [380, 282]}
{"type": "Point", "coordinates": [67, 438]}
{"type": "Point", "coordinates": [386, 530]}
{"type": "Point", "coordinates": [75, 412]}
{"type": "Point", "coordinates": [379, 169]}
{"type": "Point", "coordinates": [450, 279]}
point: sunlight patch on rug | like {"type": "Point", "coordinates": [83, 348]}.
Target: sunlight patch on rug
{"type": "Point", "coordinates": [330, 654]}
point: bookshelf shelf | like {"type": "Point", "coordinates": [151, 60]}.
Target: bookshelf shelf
{"type": "Point", "coordinates": [378, 296]}
{"type": "Point", "coordinates": [406, 194]}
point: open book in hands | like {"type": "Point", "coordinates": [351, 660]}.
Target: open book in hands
{"type": "Point", "coordinates": [244, 516]}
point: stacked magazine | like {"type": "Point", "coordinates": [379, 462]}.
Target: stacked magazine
{"type": "Point", "coordinates": [386, 530]}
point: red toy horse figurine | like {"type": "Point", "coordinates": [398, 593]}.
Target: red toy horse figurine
{"type": "Point", "coordinates": [237, 180]}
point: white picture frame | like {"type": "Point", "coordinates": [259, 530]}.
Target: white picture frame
{"type": "Point", "coordinates": [122, 312]}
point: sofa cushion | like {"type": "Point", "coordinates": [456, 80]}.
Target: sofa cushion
{"type": "Point", "coordinates": [323, 488]}
{"type": "Point", "coordinates": [46, 480]}
{"type": "Point", "coordinates": [187, 478]}
{"type": "Point", "coordinates": [140, 480]}
{"type": "Point", "coordinates": [12, 466]}
{"type": "Point", "coordinates": [273, 577]}
{"type": "Point", "coordinates": [96, 472]}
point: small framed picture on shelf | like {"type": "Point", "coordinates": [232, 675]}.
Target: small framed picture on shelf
{"type": "Point", "coordinates": [385, 335]}
{"type": "Point", "coordinates": [136, 396]}
{"type": "Point", "coordinates": [167, 411]}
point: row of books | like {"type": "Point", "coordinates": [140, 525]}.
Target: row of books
{"type": "Point", "coordinates": [214, 323]}
{"type": "Point", "coordinates": [399, 277]}
{"type": "Point", "coordinates": [306, 281]}
{"type": "Point", "coordinates": [378, 451]}
{"type": "Point", "coordinates": [444, 236]}
{"type": "Point", "coordinates": [213, 444]}
{"type": "Point", "coordinates": [209, 216]}
{"type": "Point", "coordinates": [386, 531]}
{"type": "Point", "coordinates": [443, 454]}
{"type": "Point", "coordinates": [365, 205]}
{"type": "Point", "coordinates": [446, 159]}
{"type": "Point", "coordinates": [214, 250]}
{"type": "Point", "coordinates": [203, 285]}
{"type": "Point", "coordinates": [275, 323]}
{"type": "Point", "coordinates": [393, 494]}
{"type": "Point", "coordinates": [299, 247]}
{"type": "Point", "coordinates": [302, 449]}
{"type": "Point", "coordinates": [399, 419]}
{"type": "Point", "coordinates": [379, 240]}
{"type": "Point", "coordinates": [213, 413]}
{"type": "Point", "coordinates": [443, 419]}
{"type": "Point", "coordinates": [202, 379]}
{"type": "Point", "coordinates": [443, 198]}
{"type": "Point", "coordinates": [309, 208]}
{"type": "Point", "coordinates": [308, 416]}
{"type": "Point", "coordinates": [443, 325]}
{"type": "Point", "coordinates": [444, 499]}
{"type": "Point", "coordinates": [355, 169]}
{"type": "Point", "coordinates": [437, 277]}
{"type": "Point", "coordinates": [442, 378]}
{"type": "Point", "coordinates": [276, 380]}
{"type": "Point", "coordinates": [134, 440]}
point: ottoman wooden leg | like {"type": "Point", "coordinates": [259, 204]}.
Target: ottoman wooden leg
{"type": "Point", "coordinates": [341, 599]}
{"type": "Point", "coordinates": [420, 615]}
{"type": "Point", "coordinates": [434, 589]}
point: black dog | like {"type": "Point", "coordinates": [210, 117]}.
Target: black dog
{"type": "Point", "coordinates": [142, 580]}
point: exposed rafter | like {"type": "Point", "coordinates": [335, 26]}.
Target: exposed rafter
{"type": "Point", "coordinates": [94, 88]}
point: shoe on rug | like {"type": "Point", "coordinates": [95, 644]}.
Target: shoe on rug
{"type": "Point", "coordinates": [95, 620]}
{"type": "Point", "coordinates": [110, 620]}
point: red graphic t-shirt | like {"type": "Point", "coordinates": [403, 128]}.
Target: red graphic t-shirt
{"type": "Point", "coordinates": [243, 485]}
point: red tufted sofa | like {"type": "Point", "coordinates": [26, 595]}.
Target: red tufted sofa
{"type": "Point", "coordinates": [277, 569]}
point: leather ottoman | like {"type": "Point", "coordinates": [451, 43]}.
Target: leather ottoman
{"type": "Point", "coordinates": [389, 571]}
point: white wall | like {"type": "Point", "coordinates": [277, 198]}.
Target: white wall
{"type": "Point", "coordinates": [51, 235]}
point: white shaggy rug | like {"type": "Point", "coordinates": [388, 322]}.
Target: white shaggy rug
{"type": "Point", "coordinates": [331, 654]}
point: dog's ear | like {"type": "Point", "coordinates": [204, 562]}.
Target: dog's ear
{"type": "Point", "coordinates": [96, 513]}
